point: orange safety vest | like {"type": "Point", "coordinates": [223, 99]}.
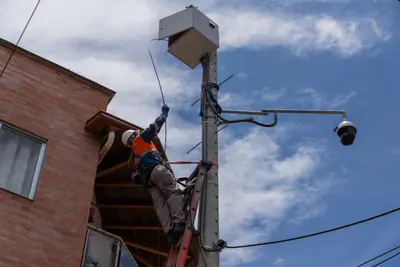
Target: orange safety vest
{"type": "Point", "coordinates": [139, 149]}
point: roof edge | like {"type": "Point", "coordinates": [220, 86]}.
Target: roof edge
{"type": "Point", "coordinates": [116, 123]}
{"type": "Point", "coordinates": [107, 91]}
{"type": "Point", "coordinates": [113, 117]}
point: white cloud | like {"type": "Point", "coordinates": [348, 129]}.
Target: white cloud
{"type": "Point", "coordinates": [245, 98]}
{"type": "Point", "coordinates": [279, 261]}
{"type": "Point", "coordinates": [234, 100]}
{"type": "Point", "coordinates": [301, 33]}
{"type": "Point", "coordinates": [319, 100]}
{"type": "Point", "coordinates": [242, 75]}
{"type": "Point", "coordinates": [258, 186]}
{"type": "Point", "coordinates": [108, 42]}
{"type": "Point", "coordinates": [120, 24]}
{"type": "Point", "coordinates": [272, 95]}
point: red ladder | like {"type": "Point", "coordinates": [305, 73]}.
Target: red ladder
{"type": "Point", "coordinates": [178, 254]}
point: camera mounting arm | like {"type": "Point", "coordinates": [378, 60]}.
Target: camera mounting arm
{"type": "Point", "coordinates": [307, 111]}
{"type": "Point", "coordinates": [346, 130]}
{"type": "Point", "coordinates": [245, 112]}
{"type": "Point", "coordinates": [265, 112]}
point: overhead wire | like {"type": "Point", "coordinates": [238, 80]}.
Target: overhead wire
{"type": "Point", "coordinates": [387, 259]}
{"type": "Point", "coordinates": [220, 129]}
{"type": "Point", "coordinates": [19, 39]}
{"type": "Point", "coordinates": [380, 255]}
{"type": "Point", "coordinates": [317, 233]}
{"type": "Point", "coordinates": [165, 130]}
{"type": "Point", "coordinates": [161, 91]}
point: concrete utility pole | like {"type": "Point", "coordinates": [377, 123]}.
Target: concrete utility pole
{"type": "Point", "coordinates": [208, 223]}
{"type": "Point", "coordinates": [193, 38]}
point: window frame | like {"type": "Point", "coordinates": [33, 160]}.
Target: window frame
{"type": "Point", "coordinates": [39, 162]}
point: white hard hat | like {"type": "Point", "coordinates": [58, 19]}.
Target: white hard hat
{"type": "Point", "coordinates": [126, 135]}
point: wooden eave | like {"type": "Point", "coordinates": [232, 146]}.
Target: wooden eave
{"type": "Point", "coordinates": [103, 122]}
{"type": "Point", "coordinates": [126, 209]}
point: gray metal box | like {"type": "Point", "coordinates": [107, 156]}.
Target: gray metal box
{"type": "Point", "coordinates": [190, 34]}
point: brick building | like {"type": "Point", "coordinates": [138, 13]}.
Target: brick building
{"type": "Point", "coordinates": [53, 123]}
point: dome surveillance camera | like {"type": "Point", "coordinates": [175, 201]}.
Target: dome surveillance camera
{"type": "Point", "coordinates": [346, 131]}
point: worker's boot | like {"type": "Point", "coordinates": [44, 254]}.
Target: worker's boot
{"type": "Point", "coordinates": [175, 234]}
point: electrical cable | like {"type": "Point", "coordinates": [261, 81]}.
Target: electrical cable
{"type": "Point", "coordinates": [388, 259]}
{"type": "Point", "coordinates": [380, 255]}
{"type": "Point", "coordinates": [317, 233]}
{"type": "Point", "coordinates": [19, 39]}
{"type": "Point", "coordinates": [158, 78]}
{"type": "Point", "coordinates": [251, 120]}
{"type": "Point", "coordinates": [162, 94]}
{"type": "Point", "coordinates": [165, 129]}
{"type": "Point", "coordinates": [216, 106]}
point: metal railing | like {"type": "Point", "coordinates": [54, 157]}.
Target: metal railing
{"type": "Point", "coordinates": [103, 249]}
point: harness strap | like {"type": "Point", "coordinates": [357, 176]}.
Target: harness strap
{"type": "Point", "coordinates": [130, 160]}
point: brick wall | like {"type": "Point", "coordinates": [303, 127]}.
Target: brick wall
{"type": "Point", "coordinates": [50, 230]}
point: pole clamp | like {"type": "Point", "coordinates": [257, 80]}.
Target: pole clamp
{"type": "Point", "coordinates": [219, 245]}
{"type": "Point", "coordinates": [207, 87]}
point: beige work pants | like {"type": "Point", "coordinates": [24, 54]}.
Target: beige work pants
{"type": "Point", "coordinates": [167, 197]}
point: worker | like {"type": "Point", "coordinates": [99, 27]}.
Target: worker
{"type": "Point", "coordinates": [157, 176]}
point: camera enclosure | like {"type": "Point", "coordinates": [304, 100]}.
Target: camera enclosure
{"type": "Point", "coordinates": [346, 131]}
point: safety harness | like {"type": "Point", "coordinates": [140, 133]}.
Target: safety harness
{"type": "Point", "coordinates": [145, 174]}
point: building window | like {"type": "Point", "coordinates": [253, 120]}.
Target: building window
{"type": "Point", "coordinates": [21, 157]}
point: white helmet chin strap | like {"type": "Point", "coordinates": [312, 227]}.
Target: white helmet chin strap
{"type": "Point", "coordinates": [130, 139]}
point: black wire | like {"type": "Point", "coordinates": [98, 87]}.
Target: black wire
{"type": "Point", "coordinates": [162, 95]}
{"type": "Point", "coordinates": [251, 120]}
{"type": "Point", "coordinates": [158, 78]}
{"type": "Point", "coordinates": [19, 39]}
{"type": "Point", "coordinates": [224, 81]}
{"type": "Point", "coordinates": [220, 129]}
{"type": "Point", "coordinates": [317, 233]}
{"type": "Point", "coordinates": [380, 255]}
{"type": "Point", "coordinates": [391, 257]}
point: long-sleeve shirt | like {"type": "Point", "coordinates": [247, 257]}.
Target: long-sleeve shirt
{"type": "Point", "coordinates": [151, 159]}
{"type": "Point", "coordinates": [150, 132]}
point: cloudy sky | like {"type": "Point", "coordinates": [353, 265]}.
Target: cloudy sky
{"type": "Point", "coordinates": [275, 183]}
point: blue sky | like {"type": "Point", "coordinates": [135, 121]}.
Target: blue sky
{"type": "Point", "coordinates": [369, 185]}
{"type": "Point", "coordinates": [275, 183]}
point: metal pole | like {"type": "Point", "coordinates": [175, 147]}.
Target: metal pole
{"type": "Point", "coordinates": [246, 112]}
{"type": "Point", "coordinates": [208, 222]}
{"type": "Point", "coordinates": [266, 112]}
{"type": "Point", "coordinates": [306, 111]}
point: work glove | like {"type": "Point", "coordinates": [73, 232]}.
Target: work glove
{"type": "Point", "coordinates": [165, 110]}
